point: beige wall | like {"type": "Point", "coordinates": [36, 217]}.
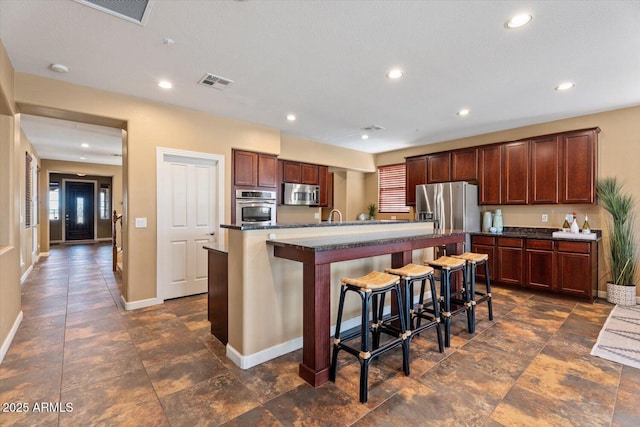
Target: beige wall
{"type": "Point", "coordinates": [304, 150]}
{"type": "Point", "coordinates": [618, 153]}
{"type": "Point", "coordinates": [28, 254]}
{"type": "Point", "coordinates": [10, 300]}
{"type": "Point", "coordinates": [50, 166]}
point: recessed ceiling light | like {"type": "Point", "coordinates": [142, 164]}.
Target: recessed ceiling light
{"type": "Point", "coordinates": [394, 74]}
{"type": "Point", "coordinates": [291, 117]}
{"type": "Point", "coordinates": [518, 21]}
{"type": "Point", "coordinates": [164, 84]}
{"type": "Point", "coordinates": [565, 86]}
{"type": "Point", "coordinates": [464, 112]}
{"type": "Point", "coordinates": [84, 145]}
{"type": "Point", "coordinates": [81, 174]}
{"type": "Point", "coordinates": [59, 68]}
{"type": "Point", "coordinates": [83, 158]}
{"type": "Point", "coordinates": [169, 41]}
{"type": "Point", "coordinates": [364, 136]}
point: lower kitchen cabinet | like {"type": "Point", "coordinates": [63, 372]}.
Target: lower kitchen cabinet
{"type": "Point", "coordinates": [562, 266]}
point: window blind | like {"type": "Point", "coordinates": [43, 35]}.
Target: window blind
{"type": "Point", "coordinates": [27, 190]}
{"type": "Point", "coordinates": [392, 188]}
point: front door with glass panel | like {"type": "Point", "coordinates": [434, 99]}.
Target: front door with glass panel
{"type": "Point", "coordinates": [79, 210]}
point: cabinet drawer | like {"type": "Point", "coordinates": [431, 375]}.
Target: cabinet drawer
{"type": "Point", "coordinates": [577, 247]}
{"type": "Point", "coordinates": [540, 244]}
{"type": "Point", "coordinates": [510, 242]}
{"type": "Point", "coordinates": [483, 240]}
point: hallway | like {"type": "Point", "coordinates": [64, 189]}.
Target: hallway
{"type": "Point", "coordinates": [160, 365]}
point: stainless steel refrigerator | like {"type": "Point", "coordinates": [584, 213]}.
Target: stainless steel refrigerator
{"type": "Point", "coordinates": [450, 205]}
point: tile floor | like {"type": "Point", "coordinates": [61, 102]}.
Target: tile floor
{"type": "Point", "coordinates": [160, 365]}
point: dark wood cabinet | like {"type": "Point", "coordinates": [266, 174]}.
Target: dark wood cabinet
{"type": "Point", "coordinates": [325, 180]}
{"type": "Point", "coordinates": [510, 260]}
{"type": "Point", "coordinates": [309, 174]}
{"type": "Point", "coordinates": [539, 266]}
{"type": "Point", "coordinates": [245, 168]}
{"type": "Point", "coordinates": [544, 173]}
{"type": "Point", "coordinates": [254, 169]}
{"type": "Point", "coordinates": [515, 185]}
{"type": "Point", "coordinates": [267, 171]}
{"type": "Point", "coordinates": [490, 169]}
{"type": "Point", "coordinates": [485, 245]}
{"type": "Point", "coordinates": [578, 167]}
{"type": "Point", "coordinates": [439, 168]}
{"type": "Point", "coordinates": [291, 172]}
{"type": "Point", "coordinates": [416, 174]}
{"type": "Point", "coordinates": [218, 294]}
{"type": "Point", "coordinates": [464, 165]}
{"type": "Point", "coordinates": [577, 268]}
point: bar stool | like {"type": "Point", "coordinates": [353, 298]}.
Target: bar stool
{"type": "Point", "coordinates": [447, 265]}
{"type": "Point", "coordinates": [410, 274]}
{"type": "Point", "coordinates": [369, 288]}
{"type": "Point", "coordinates": [472, 260]}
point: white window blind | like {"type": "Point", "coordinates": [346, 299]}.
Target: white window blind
{"type": "Point", "coordinates": [28, 186]}
{"type": "Point", "coordinates": [392, 188]}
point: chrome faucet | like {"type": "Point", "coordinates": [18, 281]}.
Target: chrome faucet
{"type": "Point", "coordinates": [339, 215]}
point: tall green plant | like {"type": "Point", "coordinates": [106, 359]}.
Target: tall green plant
{"type": "Point", "coordinates": [622, 249]}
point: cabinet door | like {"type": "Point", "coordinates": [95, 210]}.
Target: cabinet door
{"type": "Point", "coordinates": [323, 182]}
{"type": "Point", "coordinates": [577, 267]}
{"type": "Point", "coordinates": [544, 170]}
{"type": "Point", "coordinates": [291, 172]}
{"type": "Point", "coordinates": [416, 174]}
{"type": "Point", "coordinates": [539, 264]}
{"type": "Point", "coordinates": [510, 261]}
{"type": "Point", "coordinates": [578, 167]}
{"type": "Point", "coordinates": [267, 171]}
{"type": "Point", "coordinates": [464, 165]}
{"type": "Point", "coordinates": [515, 188]}
{"type": "Point", "coordinates": [309, 174]}
{"type": "Point", "coordinates": [490, 168]}
{"type": "Point", "coordinates": [245, 168]}
{"type": "Point", "coordinates": [491, 251]}
{"type": "Point", "coordinates": [439, 168]}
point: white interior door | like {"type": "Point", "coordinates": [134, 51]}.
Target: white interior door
{"type": "Point", "coordinates": [188, 218]}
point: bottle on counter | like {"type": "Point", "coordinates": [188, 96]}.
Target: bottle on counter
{"type": "Point", "coordinates": [574, 225]}
{"type": "Point", "coordinates": [497, 221]}
{"type": "Point", "coordinates": [565, 225]}
{"type": "Point", "coordinates": [586, 228]}
{"type": "Point", "coordinates": [487, 221]}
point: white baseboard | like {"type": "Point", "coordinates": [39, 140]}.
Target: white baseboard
{"type": "Point", "coordinates": [251, 360]}
{"type": "Point", "coordinates": [133, 305]}
{"type": "Point", "coordinates": [12, 333]}
{"type": "Point", "coordinates": [44, 254]}
{"type": "Point", "coordinates": [26, 274]}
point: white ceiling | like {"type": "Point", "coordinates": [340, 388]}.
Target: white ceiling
{"type": "Point", "coordinates": [326, 61]}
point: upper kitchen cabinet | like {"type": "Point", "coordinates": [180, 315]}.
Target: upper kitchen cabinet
{"type": "Point", "coordinates": [416, 174]}
{"type": "Point", "coordinates": [490, 169]}
{"type": "Point", "coordinates": [254, 169]}
{"type": "Point", "coordinates": [439, 168]}
{"type": "Point", "coordinates": [515, 186]}
{"type": "Point", "coordinates": [291, 172]}
{"type": "Point", "coordinates": [309, 174]}
{"type": "Point", "coordinates": [325, 181]}
{"type": "Point", "coordinates": [544, 175]}
{"type": "Point", "coordinates": [464, 165]}
{"type": "Point", "coordinates": [578, 166]}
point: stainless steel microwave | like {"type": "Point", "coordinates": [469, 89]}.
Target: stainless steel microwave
{"type": "Point", "coordinates": [300, 194]}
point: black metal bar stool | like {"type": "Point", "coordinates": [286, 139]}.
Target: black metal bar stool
{"type": "Point", "coordinates": [447, 265]}
{"type": "Point", "coordinates": [472, 260]}
{"type": "Point", "coordinates": [410, 274]}
{"type": "Point", "coordinates": [369, 288]}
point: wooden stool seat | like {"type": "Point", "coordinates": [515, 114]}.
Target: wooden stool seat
{"type": "Point", "coordinates": [410, 271]}
{"type": "Point", "coordinates": [446, 263]}
{"type": "Point", "coordinates": [472, 257]}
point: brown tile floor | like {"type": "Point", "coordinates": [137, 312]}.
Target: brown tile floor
{"type": "Point", "coordinates": [160, 366]}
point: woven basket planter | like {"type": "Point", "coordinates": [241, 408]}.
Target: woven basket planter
{"type": "Point", "coordinates": [621, 295]}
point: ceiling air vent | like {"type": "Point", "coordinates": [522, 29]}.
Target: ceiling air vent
{"type": "Point", "coordinates": [373, 128]}
{"type": "Point", "coordinates": [211, 80]}
{"type": "Point", "coordinates": [134, 11]}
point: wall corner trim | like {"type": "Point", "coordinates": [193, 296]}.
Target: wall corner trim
{"type": "Point", "coordinates": [12, 333]}
{"type": "Point", "coordinates": [133, 305]}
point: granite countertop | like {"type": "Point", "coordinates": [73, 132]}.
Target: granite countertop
{"type": "Point", "coordinates": [316, 224]}
{"type": "Point", "coordinates": [216, 247]}
{"type": "Point", "coordinates": [531, 233]}
{"type": "Point", "coordinates": [326, 243]}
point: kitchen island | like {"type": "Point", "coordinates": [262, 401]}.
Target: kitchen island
{"type": "Point", "coordinates": [268, 286]}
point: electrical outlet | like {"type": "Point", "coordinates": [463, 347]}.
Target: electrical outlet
{"type": "Point", "coordinates": [316, 215]}
{"type": "Point", "coordinates": [545, 218]}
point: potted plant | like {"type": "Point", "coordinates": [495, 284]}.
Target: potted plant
{"type": "Point", "coordinates": [373, 209]}
{"type": "Point", "coordinates": [622, 254]}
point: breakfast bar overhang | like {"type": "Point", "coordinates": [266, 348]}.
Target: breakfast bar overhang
{"type": "Point", "coordinates": [317, 253]}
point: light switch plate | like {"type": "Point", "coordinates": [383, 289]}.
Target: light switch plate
{"type": "Point", "coordinates": [141, 222]}
{"type": "Point", "coordinates": [316, 215]}
{"type": "Point", "coordinates": [545, 218]}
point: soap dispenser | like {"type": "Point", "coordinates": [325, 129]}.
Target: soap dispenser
{"type": "Point", "coordinates": [574, 225]}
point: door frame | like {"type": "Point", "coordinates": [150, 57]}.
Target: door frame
{"type": "Point", "coordinates": [63, 209]}
{"type": "Point", "coordinates": [220, 233]}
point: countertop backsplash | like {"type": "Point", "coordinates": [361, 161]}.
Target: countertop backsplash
{"type": "Point", "coordinates": [531, 215]}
